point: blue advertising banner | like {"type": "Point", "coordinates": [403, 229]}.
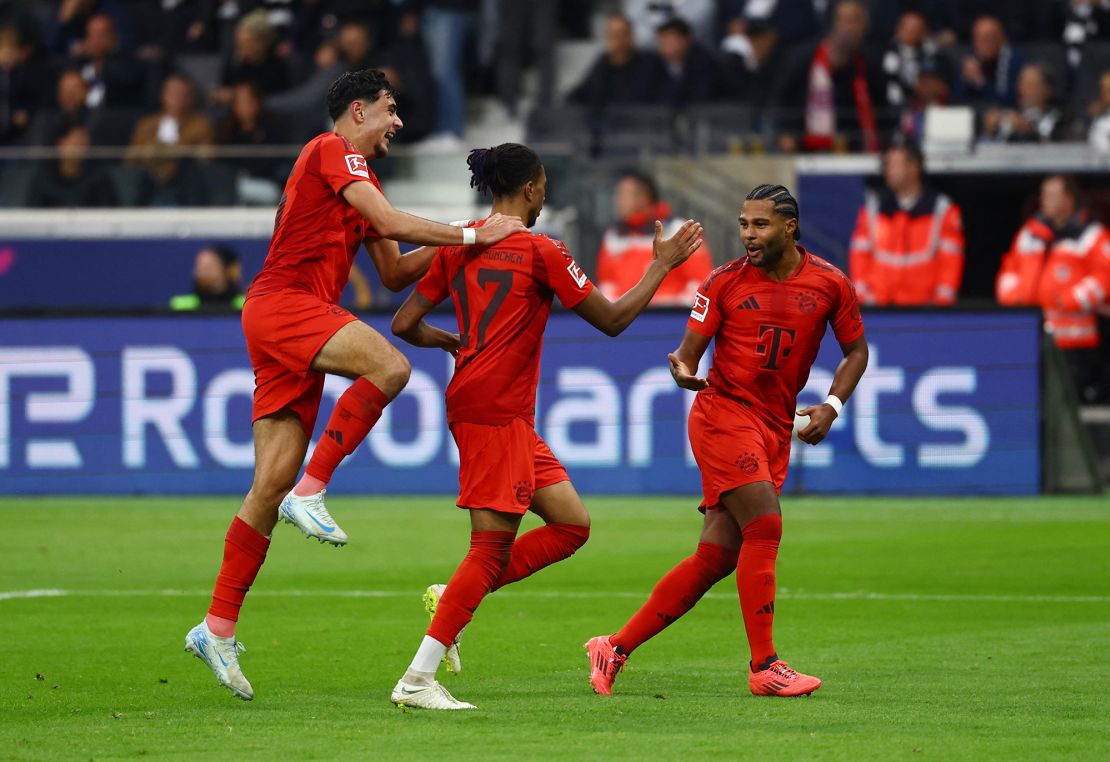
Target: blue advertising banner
{"type": "Point", "coordinates": [133, 273]}
{"type": "Point", "coordinates": [161, 405]}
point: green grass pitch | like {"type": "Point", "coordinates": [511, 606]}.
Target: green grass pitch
{"type": "Point", "coordinates": [944, 629]}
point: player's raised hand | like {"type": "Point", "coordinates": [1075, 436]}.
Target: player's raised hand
{"type": "Point", "coordinates": [673, 251]}
{"type": "Point", "coordinates": [497, 227]}
{"type": "Point", "coordinates": [685, 377]}
{"type": "Point", "coordinates": [821, 419]}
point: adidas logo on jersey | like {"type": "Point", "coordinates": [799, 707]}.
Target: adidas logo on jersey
{"type": "Point", "coordinates": [749, 304]}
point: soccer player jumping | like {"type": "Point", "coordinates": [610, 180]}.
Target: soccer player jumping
{"type": "Point", "coordinates": [502, 297]}
{"type": "Point", "coordinates": [767, 313]}
{"type": "Point", "coordinates": [296, 333]}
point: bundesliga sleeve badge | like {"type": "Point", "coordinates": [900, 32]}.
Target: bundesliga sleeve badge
{"type": "Point", "coordinates": [701, 307]}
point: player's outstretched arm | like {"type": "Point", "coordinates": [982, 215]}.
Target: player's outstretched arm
{"type": "Point", "coordinates": [409, 324]}
{"type": "Point", "coordinates": [611, 318]}
{"type": "Point", "coordinates": [848, 373]}
{"type": "Point", "coordinates": [401, 226]}
{"type": "Point", "coordinates": [684, 361]}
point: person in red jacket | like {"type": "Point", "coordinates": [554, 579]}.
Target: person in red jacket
{"type": "Point", "coordinates": [626, 248]}
{"type": "Point", "coordinates": [1060, 261]}
{"type": "Point", "coordinates": [908, 245]}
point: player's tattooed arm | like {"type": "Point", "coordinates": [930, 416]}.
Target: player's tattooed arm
{"type": "Point", "coordinates": [684, 361]}
{"type": "Point", "coordinates": [847, 376]}
{"type": "Point", "coordinates": [409, 325]}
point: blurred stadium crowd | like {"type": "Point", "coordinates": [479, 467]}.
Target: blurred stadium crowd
{"type": "Point", "coordinates": [165, 77]}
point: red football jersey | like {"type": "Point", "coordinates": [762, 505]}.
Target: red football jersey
{"type": "Point", "coordinates": [767, 334]}
{"type": "Point", "coordinates": [316, 232]}
{"type": "Point", "coordinates": [502, 298]}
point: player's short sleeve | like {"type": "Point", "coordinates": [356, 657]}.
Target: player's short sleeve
{"type": "Point", "coordinates": [563, 274]}
{"type": "Point", "coordinates": [847, 322]}
{"type": "Point", "coordinates": [433, 286]}
{"type": "Point", "coordinates": [705, 314]}
{"type": "Point", "coordinates": [340, 165]}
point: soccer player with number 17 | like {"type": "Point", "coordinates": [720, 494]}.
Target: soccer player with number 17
{"type": "Point", "coordinates": [502, 295]}
{"type": "Point", "coordinates": [767, 313]}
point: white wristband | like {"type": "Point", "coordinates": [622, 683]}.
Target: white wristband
{"type": "Point", "coordinates": [834, 402]}
{"type": "Point", "coordinates": [469, 236]}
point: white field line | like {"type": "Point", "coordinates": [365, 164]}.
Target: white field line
{"type": "Point", "coordinates": [783, 594]}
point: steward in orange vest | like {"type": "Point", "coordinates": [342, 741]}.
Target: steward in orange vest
{"type": "Point", "coordinates": [908, 245]}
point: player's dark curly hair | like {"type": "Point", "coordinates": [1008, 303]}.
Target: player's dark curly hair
{"type": "Point", "coordinates": [361, 85]}
{"type": "Point", "coordinates": [785, 203]}
{"type": "Point", "coordinates": [504, 169]}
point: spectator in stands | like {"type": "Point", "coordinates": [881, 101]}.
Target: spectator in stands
{"type": "Point", "coordinates": [908, 245]}
{"type": "Point", "coordinates": [248, 124]}
{"type": "Point", "coordinates": [791, 22]}
{"type": "Point", "coordinates": [1085, 21]}
{"type": "Point", "coordinates": [938, 15]}
{"type": "Point", "coordinates": [20, 86]}
{"type": "Point", "coordinates": [216, 282]}
{"type": "Point", "coordinates": [1060, 261]}
{"type": "Point", "coordinates": [158, 138]}
{"type": "Point", "coordinates": [750, 43]}
{"type": "Point", "coordinates": [354, 45]}
{"type": "Point", "coordinates": [689, 73]}
{"type": "Point", "coordinates": [834, 96]}
{"type": "Point", "coordinates": [71, 94]}
{"type": "Point", "coordinates": [71, 180]}
{"type": "Point", "coordinates": [933, 87]}
{"type": "Point", "coordinates": [622, 74]}
{"type": "Point", "coordinates": [1099, 113]}
{"type": "Point", "coordinates": [526, 40]}
{"type": "Point", "coordinates": [446, 26]}
{"type": "Point", "coordinates": [1025, 21]}
{"type": "Point", "coordinates": [1036, 118]}
{"type": "Point", "coordinates": [626, 248]}
{"type": "Point", "coordinates": [68, 32]}
{"type": "Point", "coordinates": [989, 75]}
{"type": "Point", "coordinates": [405, 66]}
{"type": "Point", "coordinates": [902, 60]}
{"type": "Point", "coordinates": [647, 16]}
{"type": "Point", "coordinates": [254, 59]}
{"type": "Point", "coordinates": [114, 78]}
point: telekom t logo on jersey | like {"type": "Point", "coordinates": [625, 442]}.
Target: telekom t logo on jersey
{"type": "Point", "coordinates": [356, 165]}
{"type": "Point", "coordinates": [774, 344]}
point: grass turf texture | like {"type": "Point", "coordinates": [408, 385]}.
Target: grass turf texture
{"type": "Point", "coordinates": [984, 636]}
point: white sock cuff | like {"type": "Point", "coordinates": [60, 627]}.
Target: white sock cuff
{"type": "Point", "coordinates": [428, 656]}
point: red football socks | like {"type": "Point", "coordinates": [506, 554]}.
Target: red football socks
{"type": "Point", "coordinates": [755, 581]}
{"type": "Point", "coordinates": [244, 551]}
{"type": "Point", "coordinates": [675, 594]}
{"type": "Point", "coordinates": [356, 412]}
{"type": "Point", "coordinates": [483, 565]}
{"type": "Point", "coordinates": [542, 547]}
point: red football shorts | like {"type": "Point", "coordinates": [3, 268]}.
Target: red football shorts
{"type": "Point", "coordinates": [285, 331]}
{"type": "Point", "coordinates": [734, 446]}
{"type": "Point", "coordinates": [501, 467]}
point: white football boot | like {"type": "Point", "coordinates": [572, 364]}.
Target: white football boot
{"type": "Point", "coordinates": [433, 696]}
{"type": "Point", "coordinates": [310, 515]}
{"type": "Point", "coordinates": [222, 657]}
{"type": "Point", "coordinates": [452, 659]}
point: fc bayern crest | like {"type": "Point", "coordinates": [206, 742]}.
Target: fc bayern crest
{"type": "Point", "coordinates": [807, 303]}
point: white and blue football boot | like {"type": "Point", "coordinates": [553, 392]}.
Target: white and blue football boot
{"type": "Point", "coordinates": [222, 657]}
{"type": "Point", "coordinates": [310, 515]}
